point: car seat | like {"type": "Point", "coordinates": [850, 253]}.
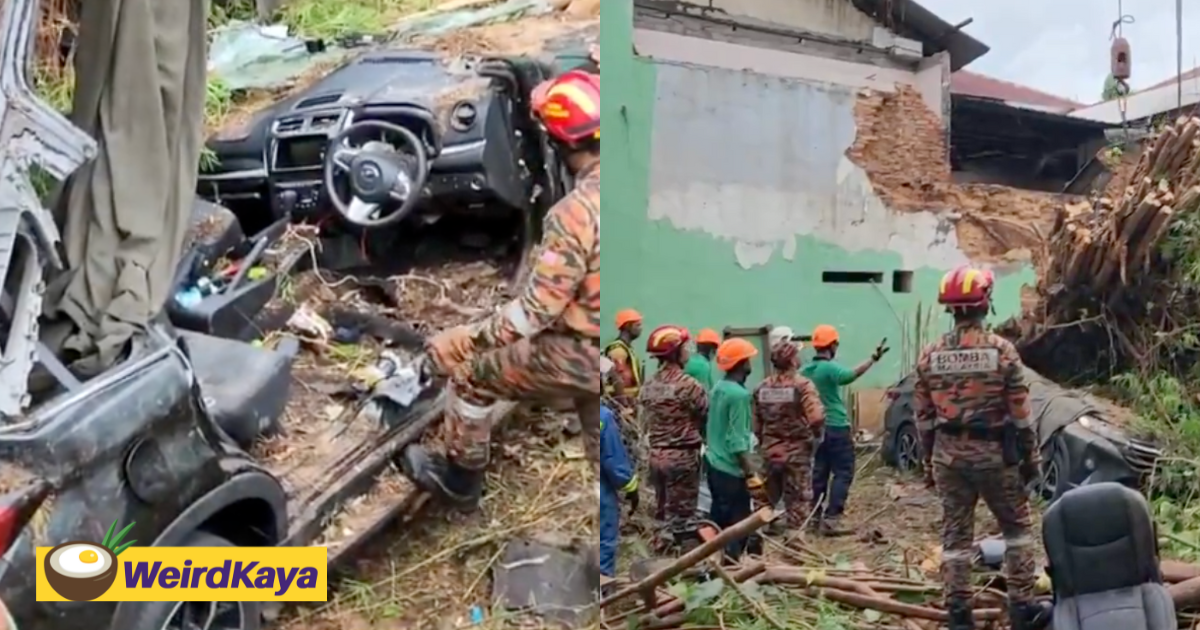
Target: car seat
{"type": "Point", "coordinates": [1103, 555]}
{"type": "Point", "coordinates": [245, 387]}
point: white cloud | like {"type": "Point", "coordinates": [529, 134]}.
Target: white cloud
{"type": "Point", "coordinates": [1062, 46]}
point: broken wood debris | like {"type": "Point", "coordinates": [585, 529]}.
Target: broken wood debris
{"type": "Point", "coordinates": [1110, 241]}
{"type": "Point", "coordinates": [891, 598]}
{"type": "Point", "coordinates": [1110, 275]}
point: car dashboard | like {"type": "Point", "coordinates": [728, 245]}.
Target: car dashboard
{"type": "Point", "coordinates": [467, 122]}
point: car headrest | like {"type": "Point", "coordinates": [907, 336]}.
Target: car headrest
{"type": "Point", "coordinates": [1099, 538]}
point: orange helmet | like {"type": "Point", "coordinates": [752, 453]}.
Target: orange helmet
{"type": "Point", "coordinates": [626, 317]}
{"type": "Point", "coordinates": [708, 335]}
{"type": "Point", "coordinates": [824, 336]}
{"type": "Point", "coordinates": [569, 106]}
{"type": "Point", "coordinates": [665, 340]}
{"type": "Point", "coordinates": [733, 351]}
{"type": "Point", "coordinates": [966, 286]}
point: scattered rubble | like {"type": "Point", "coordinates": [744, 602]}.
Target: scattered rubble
{"type": "Point", "coordinates": [901, 144]}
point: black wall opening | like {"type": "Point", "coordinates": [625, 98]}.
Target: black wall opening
{"type": "Point", "coordinates": [852, 277]}
{"type": "Point", "coordinates": [902, 281]}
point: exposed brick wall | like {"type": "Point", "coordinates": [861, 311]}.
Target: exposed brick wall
{"type": "Point", "coordinates": [901, 146]}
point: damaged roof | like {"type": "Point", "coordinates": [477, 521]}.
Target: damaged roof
{"type": "Point", "coordinates": [969, 83]}
{"type": "Point", "coordinates": [912, 20]}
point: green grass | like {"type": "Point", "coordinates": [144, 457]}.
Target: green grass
{"type": "Point", "coordinates": [229, 11]}
{"type": "Point", "coordinates": [328, 19]}
{"type": "Point", "coordinates": [331, 19]}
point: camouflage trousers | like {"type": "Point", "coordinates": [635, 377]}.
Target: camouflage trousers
{"type": "Point", "coordinates": [961, 485]}
{"type": "Point", "coordinates": [676, 476]}
{"type": "Point", "coordinates": [789, 477]}
{"type": "Point", "coordinates": [548, 366]}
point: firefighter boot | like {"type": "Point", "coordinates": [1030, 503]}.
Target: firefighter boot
{"type": "Point", "coordinates": [1028, 615]}
{"type": "Point", "coordinates": [440, 477]}
{"type": "Point", "coordinates": [961, 616]}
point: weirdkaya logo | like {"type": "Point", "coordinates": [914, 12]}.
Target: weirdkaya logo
{"type": "Point", "coordinates": [82, 571]}
{"type": "Point", "coordinates": [87, 571]}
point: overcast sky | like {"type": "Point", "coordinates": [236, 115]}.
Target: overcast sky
{"type": "Point", "coordinates": [1062, 46]}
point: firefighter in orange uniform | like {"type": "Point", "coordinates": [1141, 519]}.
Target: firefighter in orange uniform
{"type": "Point", "coordinates": [545, 344]}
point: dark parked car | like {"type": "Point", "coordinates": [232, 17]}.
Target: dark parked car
{"type": "Point", "coordinates": [1080, 445]}
{"type": "Point", "coordinates": [465, 143]}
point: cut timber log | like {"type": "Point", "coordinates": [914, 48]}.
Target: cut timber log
{"type": "Point", "coordinates": [1185, 594]}
{"type": "Point", "coordinates": [1174, 571]}
{"type": "Point", "coordinates": [1104, 246]}
{"type": "Point", "coordinates": [739, 530]}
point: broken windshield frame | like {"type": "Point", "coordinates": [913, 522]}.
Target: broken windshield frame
{"type": "Point", "coordinates": [32, 134]}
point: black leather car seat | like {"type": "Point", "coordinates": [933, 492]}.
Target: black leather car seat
{"type": "Point", "coordinates": [245, 387]}
{"type": "Point", "coordinates": [1103, 555]}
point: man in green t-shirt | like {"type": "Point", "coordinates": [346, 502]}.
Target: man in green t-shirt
{"type": "Point", "coordinates": [833, 465]}
{"type": "Point", "coordinates": [733, 479]}
{"type": "Point", "coordinates": [699, 364]}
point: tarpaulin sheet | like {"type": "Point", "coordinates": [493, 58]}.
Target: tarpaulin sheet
{"type": "Point", "coordinates": [140, 67]}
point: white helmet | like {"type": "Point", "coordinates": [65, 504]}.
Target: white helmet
{"type": "Point", "coordinates": [779, 333]}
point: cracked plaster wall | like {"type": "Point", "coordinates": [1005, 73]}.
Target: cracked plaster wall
{"type": "Point", "coordinates": [783, 174]}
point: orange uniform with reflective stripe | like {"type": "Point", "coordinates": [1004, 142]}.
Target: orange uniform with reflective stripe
{"type": "Point", "coordinates": [563, 292]}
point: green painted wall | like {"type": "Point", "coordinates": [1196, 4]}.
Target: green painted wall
{"type": "Point", "coordinates": [692, 278]}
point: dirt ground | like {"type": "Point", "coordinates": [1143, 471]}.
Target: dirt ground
{"type": "Point", "coordinates": [896, 523]}
{"type": "Point", "coordinates": [431, 571]}
{"type": "Point", "coordinates": [430, 574]}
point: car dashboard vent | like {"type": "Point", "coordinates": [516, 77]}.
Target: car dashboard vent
{"type": "Point", "coordinates": [317, 101]}
{"type": "Point", "coordinates": [322, 121]}
{"type": "Point", "coordinates": [289, 124]}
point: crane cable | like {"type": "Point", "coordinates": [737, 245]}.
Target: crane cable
{"type": "Point", "coordinates": [1122, 87]}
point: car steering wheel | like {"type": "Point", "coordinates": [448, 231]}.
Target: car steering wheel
{"type": "Point", "coordinates": [378, 173]}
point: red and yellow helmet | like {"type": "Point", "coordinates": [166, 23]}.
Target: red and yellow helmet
{"type": "Point", "coordinates": [666, 340]}
{"type": "Point", "coordinates": [568, 106]}
{"type": "Point", "coordinates": [966, 286]}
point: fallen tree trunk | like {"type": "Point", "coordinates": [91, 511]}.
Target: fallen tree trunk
{"type": "Point", "coordinates": [1185, 594]}
{"type": "Point", "coordinates": [856, 599]}
{"type": "Point", "coordinates": [667, 609]}
{"type": "Point", "coordinates": [1112, 285]}
{"type": "Point", "coordinates": [1174, 571]}
{"type": "Point", "coordinates": [746, 527]}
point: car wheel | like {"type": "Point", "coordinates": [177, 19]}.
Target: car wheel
{"type": "Point", "coordinates": [908, 448]}
{"type": "Point", "coordinates": [198, 615]}
{"type": "Point", "coordinates": [1055, 471]}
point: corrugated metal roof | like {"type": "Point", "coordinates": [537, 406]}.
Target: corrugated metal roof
{"type": "Point", "coordinates": [974, 84]}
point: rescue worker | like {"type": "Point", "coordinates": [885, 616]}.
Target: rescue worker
{"type": "Point", "coordinates": [699, 365]}
{"type": "Point", "coordinates": [674, 408]}
{"type": "Point", "coordinates": [620, 351]}
{"type": "Point", "coordinates": [733, 477]}
{"type": "Point", "coordinates": [545, 344]}
{"type": "Point", "coordinates": [972, 411]}
{"type": "Point", "coordinates": [833, 466]}
{"type": "Point", "coordinates": [617, 478]}
{"type": "Point", "coordinates": [788, 415]}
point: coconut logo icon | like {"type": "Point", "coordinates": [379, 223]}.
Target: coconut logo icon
{"type": "Point", "coordinates": [81, 570]}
